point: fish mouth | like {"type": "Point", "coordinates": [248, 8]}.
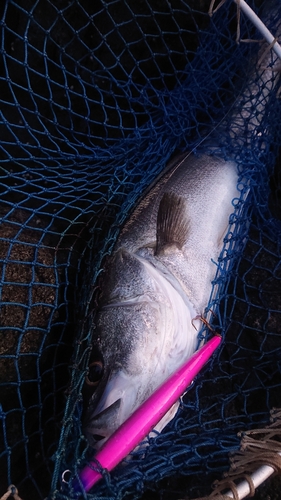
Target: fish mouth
{"type": "Point", "coordinates": [108, 410]}
{"type": "Point", "coordinates": [100, 426]}
{"type": "Point", "coordinates": [105, 416]}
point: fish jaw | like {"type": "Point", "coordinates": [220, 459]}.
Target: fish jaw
{"type": "Point", "coordinates": [144, 336]}
{"type": "Point", "coordinates": [118, 397]}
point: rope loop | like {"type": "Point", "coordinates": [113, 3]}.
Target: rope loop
{"type": "Point", "coordinates": [12, 491]}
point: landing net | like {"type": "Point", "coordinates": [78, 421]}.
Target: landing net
{"type": "Point", "coordinates": [95, 99]}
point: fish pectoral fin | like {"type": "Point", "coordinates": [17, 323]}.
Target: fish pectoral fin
{"type": "Point", "coordinates": [172, 224]}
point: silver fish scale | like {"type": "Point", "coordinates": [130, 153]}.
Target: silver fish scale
{"type": "Point", "coordinates": [208, 184]}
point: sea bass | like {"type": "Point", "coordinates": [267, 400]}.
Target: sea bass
{"type": "Point", "coordinates": [158, 280]}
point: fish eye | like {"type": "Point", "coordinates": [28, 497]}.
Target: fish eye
{"type": "Point", "coordinates": [95, 373]}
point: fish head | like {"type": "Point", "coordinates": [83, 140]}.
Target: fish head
{"type": "Point", "coordinates": [141, 338]}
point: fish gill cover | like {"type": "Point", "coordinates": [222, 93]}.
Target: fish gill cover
{"type": "Point", "coordinates": [95, 99]}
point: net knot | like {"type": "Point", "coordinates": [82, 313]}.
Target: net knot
{"type": "Point", "coordinates": [12, 491]}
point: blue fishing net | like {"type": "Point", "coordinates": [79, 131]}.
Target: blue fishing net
{"type": "Point", "coordinates": [95, 99]}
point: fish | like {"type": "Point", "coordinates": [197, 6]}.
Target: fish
{"type": "Point", "coordinates": [157, 282]}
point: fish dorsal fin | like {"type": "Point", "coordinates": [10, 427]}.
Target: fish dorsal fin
{"type": "Point", "coordinates": [172, 224]}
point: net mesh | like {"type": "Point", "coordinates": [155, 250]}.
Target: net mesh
{"type": "Point", "coordinates": [95, 99]}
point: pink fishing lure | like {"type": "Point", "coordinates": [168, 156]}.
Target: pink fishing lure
{"type": "Point", "coordinates": [144, 419]}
